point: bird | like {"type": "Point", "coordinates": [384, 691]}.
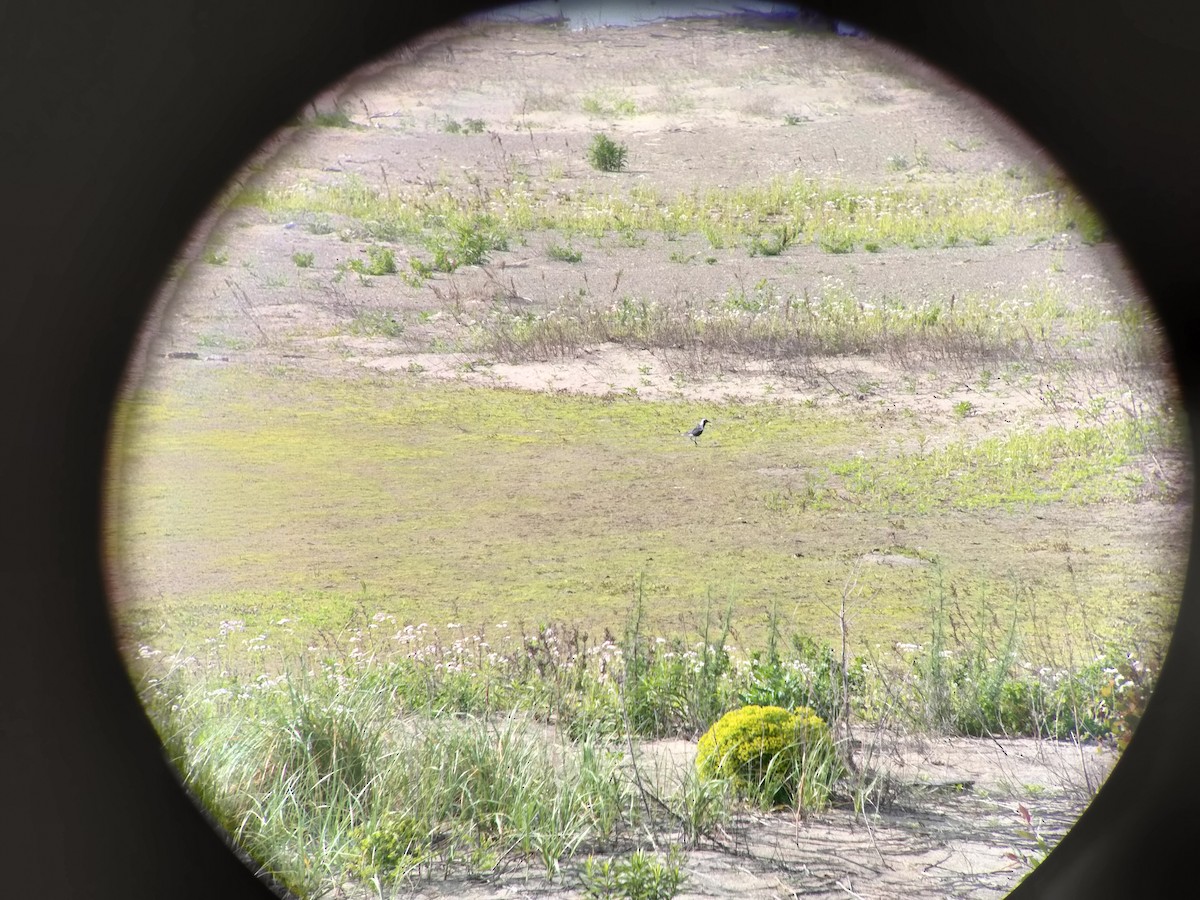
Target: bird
{"type": "Point", "coordinates": [697, 431]}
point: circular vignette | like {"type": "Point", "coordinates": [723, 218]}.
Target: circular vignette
{"type": "Point", "coordinates": [161, 104]}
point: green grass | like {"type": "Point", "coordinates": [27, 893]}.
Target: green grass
{"type": "Point", "coordinates": [315, 776]}
{"type": "Point", "coordinates": [831, 214]}
{"type": "Point", "coordinates": [467, 126]}
{"type": "Point", "coordinates": [215, 256]}
{"type": "Point", "coordinates": [289, 497]}
{"type": "Point", "coordinates": [391, 754]}
{"type": "Point", "coordinates": [1082, 464]}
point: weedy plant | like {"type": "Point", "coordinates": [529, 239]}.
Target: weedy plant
{"type": "Point", "coordinates": [607, 155]}
{"type": "Point", "coordinates": [303, 260]}
{"type": "Point", "coordinates": [381, 261]}
{"type": "Point", "coordinates": [564, 253]}
{"type": "Point", "coordinates": [375, 323]}
{"type": "Point", "coordinates": [640, 876]}
{"type": "Point", "coordinates": [1034, 857]}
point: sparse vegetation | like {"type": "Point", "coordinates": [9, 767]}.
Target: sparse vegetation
{"type": "Point", "coordinates": [640, 876]}
{"type": "Point", "coordinates": [834, 216]}
{"type": "Point", "coordinates": [332, 118]}
{"type": "Point", "coordinates": [564, 253]}
{"type": "Point", "coordinates": [303, 260]}
{"type": "Point", "coordinates": [467, 126]}
{"type": "Point", "coordinates": [376, 323]}
{"type": "Point", "coordinates": [611, 104]}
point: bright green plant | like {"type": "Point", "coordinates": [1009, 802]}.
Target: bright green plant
{"type": "Point", "coordinates": [387, 850]}
{"type": "Point", "coordinates": [466, 242]}
{"type": "Point", "coordinates": [811, 677]}
{"type": "Point", "coordinates": [381, 261]}
{"type": "Point", "coordinates": [609, 103]}
{"type": "Point", "coordinates": [303, 260]}
{"type": "Point", "coordinates": [641, 876]}
{"type": "Point", "coordinates": [772, 756]}
{"type": "Point", "coordinates": [606, 154]}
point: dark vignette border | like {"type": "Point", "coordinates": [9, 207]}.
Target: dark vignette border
{"type": "Point", "coordinates": [120, 121]}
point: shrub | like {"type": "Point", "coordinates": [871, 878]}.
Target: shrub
{"type": "Point", "coordinates": [772, 756]}
{"type": "Point", "coordinates": [381, 261]}
{"type": "Point", "coordinates": [388, 850]}
{"type": "Point", "coordinates": [606, 154]}
{"type": "Point", "coordinates": [466, 242]}
{"type": "Point", "coordinates": [303, 260]}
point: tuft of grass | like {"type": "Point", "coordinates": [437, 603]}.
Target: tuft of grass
{"type": "Point", "coordinates": [332, 118]}
{"type": "Point", "coordinates": [466, 241]}
{"type": "Point", "coordinates": [778, 241]}
{"type": "Point", "coordinates": [303, 260]}
{"type": "Point", "coordinates": [833, 243]}
{"type": "Point", "coordinates": [564, 253]}
{"type": "Point", "coordinates": [467, 126]}
{"type": "Point", "coordinates": [607, 155]}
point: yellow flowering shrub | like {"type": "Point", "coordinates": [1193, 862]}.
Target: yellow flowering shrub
{"type": "Point", "coordinates": [772, 755]}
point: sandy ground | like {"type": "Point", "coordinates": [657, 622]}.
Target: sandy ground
{"type": "Point", "coordinates": [712, 104]}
